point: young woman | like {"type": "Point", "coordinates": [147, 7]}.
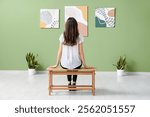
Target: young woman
{"type": "Point", "coordinates": [70, 53]}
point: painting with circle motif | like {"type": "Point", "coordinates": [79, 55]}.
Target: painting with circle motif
{"type": "Point", "coordinates": [49, 18]}
{"type": "Point", "coordinates": [80, 14]}
{"type": "Point", "coordinates": [105, 17]}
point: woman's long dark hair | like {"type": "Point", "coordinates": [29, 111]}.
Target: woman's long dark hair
{"type": "Point", "coordinates": [71, 32]}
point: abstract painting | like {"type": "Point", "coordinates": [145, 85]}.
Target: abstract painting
{"type": "Point", "coordinates": [49, 18]}
{"type": "Point", "coordinates": [80, 14]}
{"type": "Point", "coordinates": [105, 17]}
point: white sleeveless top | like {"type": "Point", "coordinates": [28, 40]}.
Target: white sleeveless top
{"type": "Point", "coordinates": [70, 54]}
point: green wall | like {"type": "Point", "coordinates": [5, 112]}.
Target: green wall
{"type": "Point", "coordinates": [20, 33]}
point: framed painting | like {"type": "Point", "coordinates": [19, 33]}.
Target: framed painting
{"type": "Point", "coordinates": [80, 14]}
{"type": "Point", "coordinates": [49, 18]}
{"type": "Point", "coordinates": [105, 17]}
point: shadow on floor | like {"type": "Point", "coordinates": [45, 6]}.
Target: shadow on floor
{"type": "Point", "coordinates": [98, 92]}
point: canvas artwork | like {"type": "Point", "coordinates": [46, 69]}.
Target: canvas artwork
{"type": "Point", "coordinates": [49, 18]}
{"type": "Point", "coordinates": [80, 14]}
{"type": "Point", "coordinates": [105, 17]}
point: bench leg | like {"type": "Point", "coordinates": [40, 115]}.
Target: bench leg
{"type": "Point", "coordinates": [93, 83]}
{"type": "Point", "coordinates": [50, 83]}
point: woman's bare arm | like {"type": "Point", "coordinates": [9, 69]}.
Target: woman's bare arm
{"type": "Point", "coordinates": [81, 53]}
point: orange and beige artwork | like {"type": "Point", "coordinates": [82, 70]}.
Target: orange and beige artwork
{"type": "Point", "coordinates": [105, 17]}
{"type": "Point", "coordinates": [49, 18]}
{"type": "Point", "coordinates": [80, 14]}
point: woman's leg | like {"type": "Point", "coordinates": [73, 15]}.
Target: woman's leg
{"type": "Point", "coordinates": [75, 76]}
{"type": "Point", "coordinates": [68, 76]}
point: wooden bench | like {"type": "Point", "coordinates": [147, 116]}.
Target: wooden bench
{"type": "Point", "coordinates": [60, 71]}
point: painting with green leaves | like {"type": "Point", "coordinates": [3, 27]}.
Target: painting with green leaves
{"type": "Point", "coordinates": [105, 17]}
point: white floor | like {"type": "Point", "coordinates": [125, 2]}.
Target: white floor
{"type": "Point", "coordinates": [18, 85]}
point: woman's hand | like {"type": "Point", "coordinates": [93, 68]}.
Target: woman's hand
{"type": "Point", "coordinates": [88, 67]}
{"type": "Point", "coordinates": [54, 66]}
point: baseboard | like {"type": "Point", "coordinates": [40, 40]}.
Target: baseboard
{"type": "Point", "coordinates": [97, 72]}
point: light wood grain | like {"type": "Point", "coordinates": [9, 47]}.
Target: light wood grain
{"type": "Point", "coordinates": [60, 71]}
